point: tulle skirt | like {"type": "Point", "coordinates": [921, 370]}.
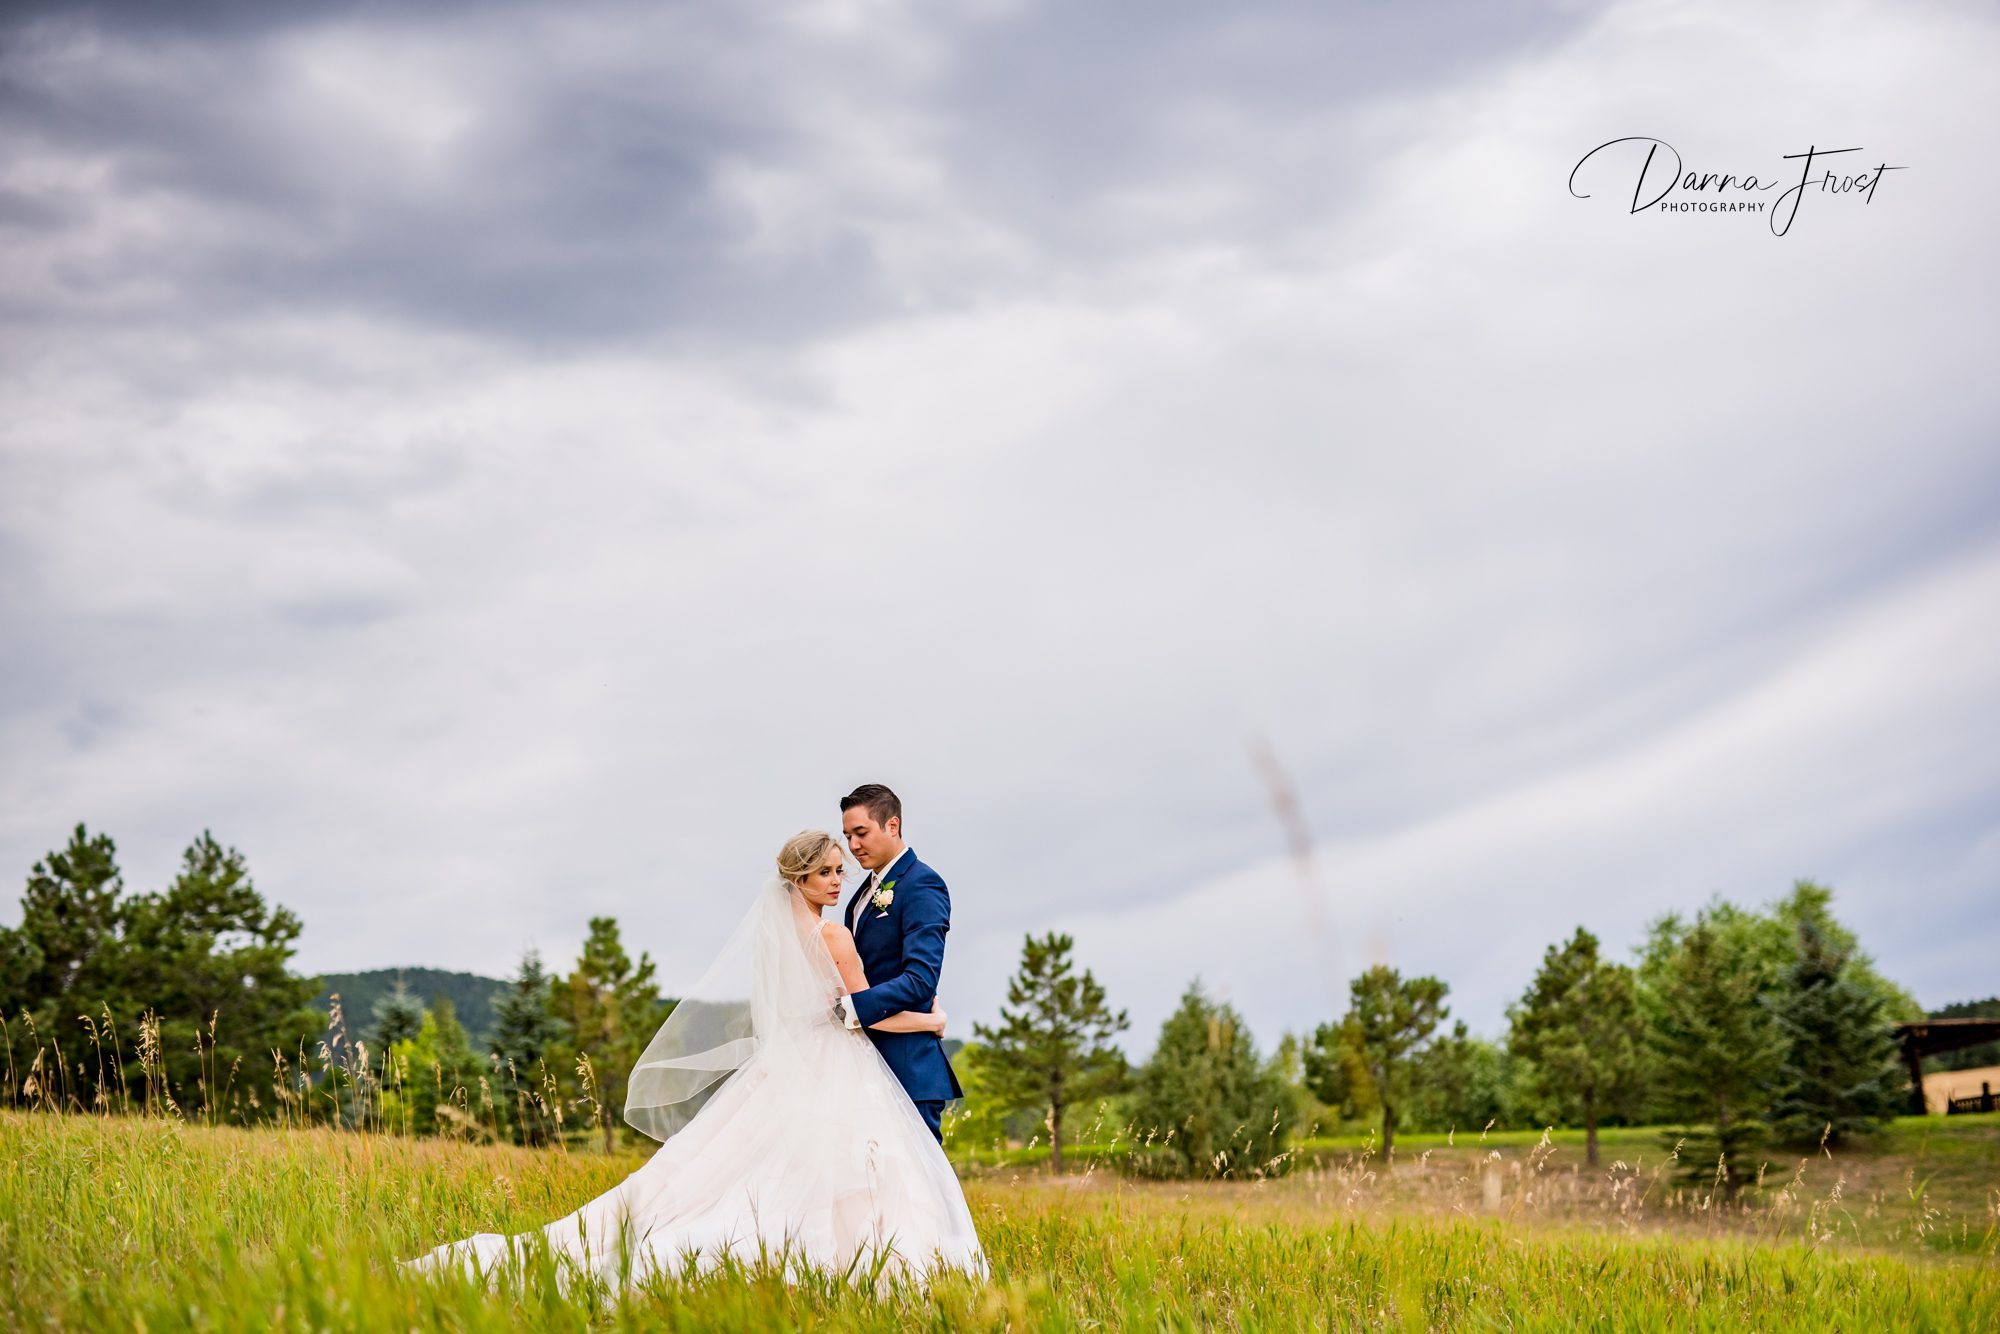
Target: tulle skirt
{"type": "Point", "coordinates": [814, 1156]}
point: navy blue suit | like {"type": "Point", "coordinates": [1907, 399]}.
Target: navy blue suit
{"type": "Point", "coordinates": [902, 951]}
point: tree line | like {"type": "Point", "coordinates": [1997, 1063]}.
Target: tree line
{"type": "Point", "coordinates": [1735, 1028]}
{"type": "Point", "coordinates": [182, 1001]}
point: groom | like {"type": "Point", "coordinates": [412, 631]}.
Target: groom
{"type": "Point", "coordinates": [899, 917]}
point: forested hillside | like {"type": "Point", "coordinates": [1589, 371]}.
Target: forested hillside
{"type": "Point", "coordinates": [471, 995]}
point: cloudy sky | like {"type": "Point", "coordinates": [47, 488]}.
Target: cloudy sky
{"type": "Point", "coordinates": [499, 465]}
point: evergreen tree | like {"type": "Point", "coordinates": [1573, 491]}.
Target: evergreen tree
{"type": "Point", "coordinates": [1292, 1064]}
{"type": "Point", "coordinates": [1767, 942]}
{"type": "Point", "coordinates": [1052, 1049]}
{"type": "Point", "coordinates": [1458, 1081]}
{"type": "Point", "coordinates": [456, 1073]}
{"type": "Point", "coordinates": [610, 1008]}
{"type": "Point", "coordinates": [978, 1120]}
{"type": "Point", "coordinates": [1840, 1075]}
{"type": "Point", "coordinates": [1811, 903]}
{"type": "Point", "coordinates": [211, 957]}
{"type": "Point", "coordinates": [523, 1026]}
{"type": "Point", "coordinates": [61, 959]}
{"type": "Point", "coordinates": [397, 1017]}
{"type": "Point", "coordinates": [206, 956]}
{"type": "Point", "coordinates": [1205, 1094]}
{"type": "Point", "coordinates": [1336, 1076]}
{"type": "Point", "coordinates": [525, 1029]}
{"type": "Point", "coordinates": [435, 1087]}
{"type": "Point", "coordinates": [1388, 1023]}
{"type": "Point", "coordinates": [1717, 1046]}
{"type": "Point", "coordinates": [1578, 1028]}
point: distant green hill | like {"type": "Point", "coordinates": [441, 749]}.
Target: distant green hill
{"type": "Point", "coordinates": [469, 993]}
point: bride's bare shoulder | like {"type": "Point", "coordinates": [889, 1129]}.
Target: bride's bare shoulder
{"type": "Point", "coordinates": [839, 940]}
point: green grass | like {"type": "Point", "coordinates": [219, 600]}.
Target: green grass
{"type": "Point", "coordinates": [1927, 1183]}
{"type": "Point", "coordinates": [134, 1224]}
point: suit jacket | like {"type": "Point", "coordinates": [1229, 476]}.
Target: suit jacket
{"type": "Point", "coordinates": [902, 951]}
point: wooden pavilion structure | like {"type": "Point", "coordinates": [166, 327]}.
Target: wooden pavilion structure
{"type": "Point", "coordinates": [1931, 1037]}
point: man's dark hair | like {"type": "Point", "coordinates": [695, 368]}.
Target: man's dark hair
{"type": "Point", "coordinates": [881, 803]}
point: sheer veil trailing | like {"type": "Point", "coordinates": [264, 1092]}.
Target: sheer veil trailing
{"type": "Point", "coordinates": [763, 994]}
{"type": "Point", "coordinates": [783, 1135]}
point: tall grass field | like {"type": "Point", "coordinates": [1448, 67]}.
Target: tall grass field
{"type": "Point", "coordinates": [146, 1224]}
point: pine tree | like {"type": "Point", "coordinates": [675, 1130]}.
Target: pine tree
{"type": "Point", "coordinates": [211, 957]}
{"type": "Point", "coordinates": [1840, 1075]}
{"type": "Point", "coordinates": [1052, 1049]}
{"type": "Point", "coordinates": [57, 961]}
{"type": "Point", "coordinates": [1206, 1096]}
{"type": "Point", "coordinates": [1717, 1046]}
{"type": "Point", "coordinates": [610, 1007]}
{"type": "Point", "coordinates": [207, 956]}
{"type": "Point", "coordinates": [525, 1028]}
{"type": "Point", "coordinates": [1578, 1027]}
{"type": "Point", "coordinates": [397, 1018]}
{"type": "Point", "coordinates": [1388, 1023]}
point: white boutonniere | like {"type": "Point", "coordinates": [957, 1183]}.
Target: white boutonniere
{"type": "Point", "coordinates": [884, 896]}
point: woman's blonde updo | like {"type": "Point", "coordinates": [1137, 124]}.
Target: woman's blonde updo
{"type": "Point", "coordinates": [803, 852]}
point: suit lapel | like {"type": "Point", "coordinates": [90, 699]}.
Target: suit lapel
{"type": "Point", "coordinates": [889, 873]}
{"type": "Point", "coordinates": [847, 917]}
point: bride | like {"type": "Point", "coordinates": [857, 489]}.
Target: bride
{"type": "Point", "coordinates": [783, 1132]}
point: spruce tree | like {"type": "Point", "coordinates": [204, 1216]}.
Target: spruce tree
{"type": "Point", "coordinates": [1052, 1048]}
{"type": "Point", "coordinates": [397, 1018]}
{"type": "Point", "coordinates": [1578, 1028]}
{"type": "Point", "coordinates": [525, 1028]}
{"type": "Point", "coordinates": [1718, 1049]}
{"type": "Point", "coordinates": [1840, 1075]}
{"type": "Point", "coordinates": [1812, 902]}
{"type": "Point", "coordinates": [1206, 1096]}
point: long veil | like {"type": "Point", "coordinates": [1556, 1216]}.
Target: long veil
{"type": "Point", "coordinates": [758, 1001]}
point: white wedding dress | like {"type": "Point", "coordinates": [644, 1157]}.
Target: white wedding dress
{"type": "Point", "coordinates": [785, 1135]}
